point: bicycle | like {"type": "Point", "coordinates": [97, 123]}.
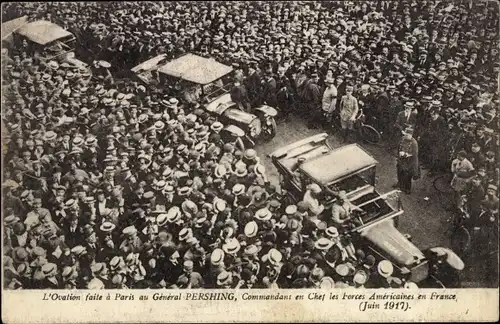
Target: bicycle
{"type": "Point", "coordinates": [365, 132]}
{"type": "Point", "coordinates": [467, 237]}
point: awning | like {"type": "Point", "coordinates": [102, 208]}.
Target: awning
{"type": "Point", "coordinates": [195, 69]}
{"type": "Point", "coordinates": [43, 32]}
{"type": "Point", "coordinates": [12, 25]}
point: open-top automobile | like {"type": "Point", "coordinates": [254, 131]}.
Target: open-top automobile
{"type": "Point", "coordinates": [208, 81]}
{"type": "Point", "coordinates": [352, 169]}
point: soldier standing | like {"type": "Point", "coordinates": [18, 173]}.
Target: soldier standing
{"type": "Point", "coordinates": [348, 112]}
{"type": "Point", "coordinates": [407, 166]}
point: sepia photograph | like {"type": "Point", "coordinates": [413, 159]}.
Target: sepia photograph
{"type": "Point", "coordinates": [240, 145]}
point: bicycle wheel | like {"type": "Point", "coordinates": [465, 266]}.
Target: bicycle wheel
{"type": "Point", "coordinates": [442, 183]}
{"type": "Point", "coordinates": [461, 240]}
{"type": "Point", "coordinates": [369, 134]}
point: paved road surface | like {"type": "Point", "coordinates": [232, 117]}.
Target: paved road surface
{"type": "Point", "coordinates": [425, 218]}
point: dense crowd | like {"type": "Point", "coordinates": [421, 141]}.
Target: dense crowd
{"type": "Point", "coordinates": [114, 185]}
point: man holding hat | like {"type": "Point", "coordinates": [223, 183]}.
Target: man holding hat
{"type": "Point", "coordinates": [407, 161]}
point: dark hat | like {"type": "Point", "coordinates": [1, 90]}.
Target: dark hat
{"type": "Point", "coordinates": [408, 130]}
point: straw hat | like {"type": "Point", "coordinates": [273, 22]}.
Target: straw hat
{"type": "Point", "coordinates": [323, 244]}
{"type": "Point", "coordinates": [224, 278]}
{"type": "Point", "coordinates": [263, 214]}
{"type": "Point", "coordinates": [332, 232]}
{"type": "Point", "coordinates": [251, 229]}
{"type": "Point", "coordinates": [385, 268]}
{"type": "Point", "coordinates": [107, 227]}
{"type": "Point", "coordinates": [232, 246]}
{"type": "Point", "coordinates": [217, 257]}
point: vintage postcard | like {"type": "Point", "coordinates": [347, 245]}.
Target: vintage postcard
{"type": "Point", "coordinates": [237, 161]}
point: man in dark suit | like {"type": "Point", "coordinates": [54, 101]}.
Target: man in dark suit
{"type": "Point", "coordinates": [90, 242]}
{"type": "Point", "coordinates": [269, 90]}
{"type": "Point", "coordinates": [407, 165]}
{"type": "Point", "coordinates": [406, 118]}
{"type": "Point", "coordinates": [253, 83]}
{"type": "Point", "coordinates": [239, 95]}
{"type": "Point", "coordinates": [73, 230]}
{"type": "Point", "coordinates": [284, 94]}
{"type": "Point", "coordinates": [101, 204]}
{"type": "Point", "coordinates": [313, 97]}
{"type": "Point", "coordinates": [433, 141]}
{"type": "Point", "coordinates": [35, 179]}
{"type": "Point", "coordinates": [383, 109]}
{"type": "Point", "coordinates": [422, 62]}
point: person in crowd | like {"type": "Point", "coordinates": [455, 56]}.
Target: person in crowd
{"type": "Point", "coordinates": [342, 209]}
{"type": "Point", "coordinates": [408, 168]}
{"type": "Point", "coordinates": [405, 118]}
{"type": "Point", "coordinates": [348, 111]}
{"type": "Point", "coordinates": [462, 170]}
{"type": "Point", "coordinates": [329, 102]}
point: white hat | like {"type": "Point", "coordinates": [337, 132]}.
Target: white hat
{"type": "Point", "coordinates": [274, 256]}
{"type": "Point", "coordinates": [410, 285]}
{"type": "Point", "coordinates": [217, 126]}
{"type": "Point", "coordinates": [173, 214]}
{"type": "Point", "coordinates": [332, 232]}
{"type": "Point", "coordinates": [161, 220]}
{"type": "Point", "coordinates": [232, 246]}
{"type": "Point", "coordinates": [385, 268]}
{"type": "Point", "coordinates": [291, 209]}
{"type": "Point", "coordinates": [263, 214]}
{"type": "Point", "coordinates": [185, 233]}
{"type": "Point", "coordinates": [159, 125]}
{"type": "Point", "coordinates": [323, 244]}
{"type": "Point", "coordinates": [107, 227]}
{"type": "Point", "coordinates": [251, 229]}
{"type": "Point", "coordinates": [224, 278]}
{"type": "Point", "coordinates": [219, 204]}
{"type": "Point", "coordinates": [95, 284]}
{"type": "Point", "coordinates": [360, 277]}
{"type": "Point", "coordinates": [220, 171]}
{"type": "Point", "coordinates": [130, 230]}
{"type": "Point", "coordinates": [326, 283]}
{"type": "Point", "coordinates": [217, 257]}
{"type": "Point", "coordinates": [238, 189]}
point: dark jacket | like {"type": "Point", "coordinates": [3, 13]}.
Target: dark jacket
{"type": "Point", "coordinates": [410, 163]}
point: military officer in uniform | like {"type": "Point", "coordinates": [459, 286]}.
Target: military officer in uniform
{"type": "Point", "coordinates": [407, 166]}
{"type": "Point", "coordinates": [348, 112]}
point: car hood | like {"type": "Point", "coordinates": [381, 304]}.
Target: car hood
{"type": "Point", "coordinates": [387, 238]}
